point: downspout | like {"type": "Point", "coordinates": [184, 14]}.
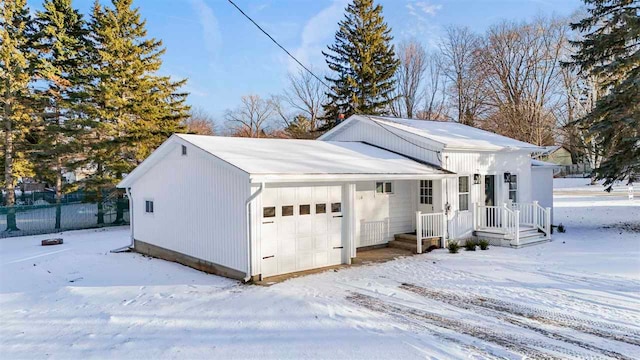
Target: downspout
{"type": "Point", "coordinates": [248, 205]}
{"type": "Point", "coordinates": [128, 191]}
{"type": "Point", "coordinates": [130, 246]}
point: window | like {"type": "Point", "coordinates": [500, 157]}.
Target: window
{"type": "Point", "coordinates": [426, 192]}
{"type": "Point", "coordinates": [384, 187]}
{"type": "Point", "coordinates": [463, 193]}
{"type": "Point", "coordinates": [513, 188]}
{"type": "Point", "coordinates": [268, 211]}
{"type": "Point", "coordinates": [336, 207]}
{"type": "Point", "coordinates": [184, 150]}
{"type": "Point", "coordinates": [148, 206]}
{"type": "Point", "coordinates": [287, 210]}
{"type": "Point", "coordinates": [321, 208]}
{"type": "Point", "coordinates": [305, 209]}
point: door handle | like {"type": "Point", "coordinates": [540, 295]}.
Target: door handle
{"type": "Point", "coordinates": [337, 216]}
{"type": "Point", "coordinates": [268, 257]}
{"type": "Point", "coordinates": [268, 222]}
{"type": "Point", "coordinates": [338, 247]}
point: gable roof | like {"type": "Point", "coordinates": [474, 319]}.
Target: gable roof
{"type": "Point", "coordinates": [286, 159]}
{"type": "Point", "coordinates": [452, 135]}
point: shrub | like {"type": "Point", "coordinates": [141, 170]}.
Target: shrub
{"type": "Point", "coordinates": [561, 228]}
{"type": "Point", "coordinates": [484, 244]}
{"type": "Point", "coordinates": [470, 245]}
{"type": "Point", "coordinates": [453, 247]}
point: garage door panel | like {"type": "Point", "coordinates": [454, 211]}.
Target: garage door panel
{"type": "Point", "coordinates": [302, 235]}
{"type": "Point", "coordinates": [305, 243]}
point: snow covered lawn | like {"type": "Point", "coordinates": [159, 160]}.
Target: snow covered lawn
{"type": "Point", "coordinates": [576, 297]}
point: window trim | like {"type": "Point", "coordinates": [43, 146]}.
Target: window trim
{"type": "Point", "coordinates": [384, 188]}
{"type": "Point", "coordinates": [468, 193]}
{"type": "Point", "coordinates": [148, 201]}
{"type": "Point", "coordinates": [426, 196]}
{"type": "Point", "coordinates": [516, 190]}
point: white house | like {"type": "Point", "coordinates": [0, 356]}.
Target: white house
{"type": "Point", "coordinates": [254, 208]}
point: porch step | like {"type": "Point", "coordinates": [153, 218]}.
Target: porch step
{"type": "Point", "coordinates": [404, 245]}
{"type": "Point", "coordinates": [531, 240]}
{"type": "Point", "coordinates": [411, 239]}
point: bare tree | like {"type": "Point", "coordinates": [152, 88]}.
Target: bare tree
{"type": "Point", "coordinates": [435, 97]}
{"type": "Point", "coordinates": [409, 78]}
{"type": "Point", "coordinates": [521, 64]}
{"type": "Point", "coordinates": [304, 95]}
{"type": "Point", "coordinates": [459, 64]}
{"type": "Point", "coordinates": [251, 117]}
{"type": "Point", "coordinates": [200, 122]}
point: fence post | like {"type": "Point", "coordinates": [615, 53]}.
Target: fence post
{"type": "Point", "coordinates": [517, 225]}
{"type": "Point", "coordinates": [418, 232]}
{"type": "Point", "coordinates": [547, 222]}
{"type": "Point", "coordinates": [444, 230]}
{"type": "Point", "coordinates": [535, 213]}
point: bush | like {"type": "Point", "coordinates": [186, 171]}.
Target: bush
{"type": "Point", "coordinates": [484, 244]}
{"type": "Point", "coordinates": [470, 245]}
{"type": "Point", "coordinates": [561, 228]}
{"type": "Point", "coordinates": [453, 247]}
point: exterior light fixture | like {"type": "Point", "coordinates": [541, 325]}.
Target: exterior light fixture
{"type": "Point", "coordinates": [507, 177]}
{"type": "Point", "coordinates": [476, 179]}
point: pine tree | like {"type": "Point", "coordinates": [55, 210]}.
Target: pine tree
{"type": "Point", "coordinates": [610, 52]}
{"type": "Point", "coordinates": [62, 45]}
{"type": "Point", "coordinates": [17, 64]}
{"type": "Point", "coordinates": [135, 109]}
{"type": "Point", "coordinates": [363, 62]}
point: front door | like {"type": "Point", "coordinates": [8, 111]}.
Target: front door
{"type": "Point", "coordinates": [490, 190]}
{"type": "Point", "coordinates": [425, 196]}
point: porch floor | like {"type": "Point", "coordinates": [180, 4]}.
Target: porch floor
{"type": "Point", "coordinates": [363, 257]}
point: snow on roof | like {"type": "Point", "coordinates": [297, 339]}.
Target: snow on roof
{"type": "Point", "coordinates": [290, 157]}
{"type": "Point", "coordinates": [454, 135]}
{"type": "Point", "coordinates": [535, 162]}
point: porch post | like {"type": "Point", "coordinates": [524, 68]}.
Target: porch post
{"type": "Point", "coordinates": [517, 234]}
{"type": "Point", "coordinates": [535, 213]}
{"type": "Point", "coordinates": [474, 214]}
{"type": "Point", "coordinates": [349, 222]}
{"type": "Point", "coordinates": [444, 230]}
{"type": "Point", "coordinates": [547, 222]}
{"type": "Point", "coordinates": [418, 232]}
{"type": "Point", "coordinates": [503, 216]}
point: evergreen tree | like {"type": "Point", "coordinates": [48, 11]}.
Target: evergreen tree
{"type": "Point", "coordinates": [62, 47]}
{"type": "Point", "coordinates": [16, 72]}
{"type": "Point", "coordinates": [135, 109]}
{"type": "Point", "coordinates": [364, 63]}
{"type": "Point", "coordinates": [610, 52]}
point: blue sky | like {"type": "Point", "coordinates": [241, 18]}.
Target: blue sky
{"type": "Point", "coordinates": [224, 56]}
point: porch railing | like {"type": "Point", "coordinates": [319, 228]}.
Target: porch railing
{"type": "Point", "coordinates": [509, 218]}
{"type": "Point", "coordinates": [534, 215]}
{"type": "Point", "coordinates": [430, 225]}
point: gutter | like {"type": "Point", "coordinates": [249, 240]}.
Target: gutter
{"type": "Point", "coordinates": [247, 205]}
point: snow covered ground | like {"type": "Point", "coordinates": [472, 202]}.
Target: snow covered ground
{"type": "Point", "coordinates": [576, 297]}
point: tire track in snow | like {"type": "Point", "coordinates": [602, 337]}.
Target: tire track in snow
{"type": "Point", "coordinates": [497, 308]}
{"type": "Point", "coordinates": [522, 346]}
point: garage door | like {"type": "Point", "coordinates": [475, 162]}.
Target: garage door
{"type": "Point", "coordinates": [301, 228]}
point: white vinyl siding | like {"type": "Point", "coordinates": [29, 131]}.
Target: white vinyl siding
{"type": "Point", "coordinates": [389, 138]}
{"type": "Point", "coordinates": [193, 219]}
{"type": "Point", "coordinates": [378, 218]}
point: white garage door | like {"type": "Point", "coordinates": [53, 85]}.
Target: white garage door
{"type": "Point", "coordinates": [301, 228]}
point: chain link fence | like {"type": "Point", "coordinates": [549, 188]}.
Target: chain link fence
{"type": "Point", "coordinates": [79, 210]}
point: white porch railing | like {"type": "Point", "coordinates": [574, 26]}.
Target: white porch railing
{"type": "Point", "coordinates": [534, 215]}
{"type": "Point", "coordinates": [509, 218]}
{"type": "Point", "coordinates": [430, 225]}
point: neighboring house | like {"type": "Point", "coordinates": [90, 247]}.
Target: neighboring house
{"type": "Point", "coordinates": [253, 208]}
{"type": "Point", "coordinates": [555, 154]}
{"type": "Point", "coordinates": [79, 174]}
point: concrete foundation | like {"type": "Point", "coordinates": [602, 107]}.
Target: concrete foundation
{"type": "Point", "coordinates": [190, 261]}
